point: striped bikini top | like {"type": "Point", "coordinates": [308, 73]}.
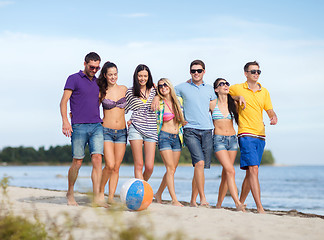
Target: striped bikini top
{"type": "Point", "coordinates": [217, 114]}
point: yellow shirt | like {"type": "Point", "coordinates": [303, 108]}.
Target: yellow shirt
{"type": "Point", "coordinates": [251, 118]}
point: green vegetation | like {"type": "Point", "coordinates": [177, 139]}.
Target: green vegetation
{"type": "Point", "coordinates": [62, 155]}
{"type": "Point", "coordinates": [16, 227]}
{"type": "Point", "coordinates": [21, 227]}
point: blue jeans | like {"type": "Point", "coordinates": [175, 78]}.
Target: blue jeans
{"type": "Point", "coordinates": [169, 141]}
{"type": "Point", "coordinates": [87, 133]}
{"type": "Point", "coordinates": [200, 145]}
{"type": "Point", "coordinates": [114, 135]}
{"type": "Point", "coordinates": [133, 134]}
{"type": "Point", "coordinates": [228, 143]}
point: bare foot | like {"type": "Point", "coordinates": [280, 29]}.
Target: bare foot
{"type": "Point", "coordinates": [241, 207]}
{"type": "Point", "coordinates": [193, 204]}
{"type": "Point", "coordinates": [205, 204]}
{"type": "Point", "coordinates": [218, 206]}
{"type": "Point", "coordinates": [261, 210]}
{"type": "Point", "coordinates": [98, 203]}
{"type": "Point", "coordinates": [70, 200]}
{"type": "Point", "coordinates": [176, 203]}
{"type": "Point", "coordinates": [158, 198]}
{"type": "Point", "coordinates": [111, 200]}
{"type": "Point", "coordinates": [101, 197]}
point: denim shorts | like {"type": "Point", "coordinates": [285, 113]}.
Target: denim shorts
{"type": "Point", "coordinates": [228, 143]}
{"type": "Point", "coordinates": [200, 144]}
{"type": "Point", "coordinates": [251, 151]}
{"type": "Point", "coordinates": [169, 141]}
{"type": "Point", "coordinates": [114, 135]}
{"type": "Point", "coordinates": [133, 134]}
{"type": "Point", "coordinates": [87, 133]}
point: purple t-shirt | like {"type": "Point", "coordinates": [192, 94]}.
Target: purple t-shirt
{"type": "Point", "coordinates": [84, 101]}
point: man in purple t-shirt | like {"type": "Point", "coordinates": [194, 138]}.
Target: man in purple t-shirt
{"type": "Point", "coordinates": [83, 92]}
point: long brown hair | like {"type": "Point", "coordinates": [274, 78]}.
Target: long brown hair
{"type": "Point", "coordinates": [232, 108]}
{"type": "Point", "coordinates": [102, 81]}
{"type": "Point", "coordinates": [175, 102]}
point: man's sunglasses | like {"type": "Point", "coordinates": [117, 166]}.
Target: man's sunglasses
{"type": "Point", "coordinates": [223, 84]}
{"type": "Point", "coordinates": [196, 70]}
{"type": "Point", "coordinates": [162, 85]}
{"type": "Point", "coordinates": [255, 71]}
{"type": "Point", "coordinates": [94, 68]}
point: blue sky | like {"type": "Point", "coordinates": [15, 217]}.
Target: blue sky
{"type": "Point", "coordinates": [42, 42]}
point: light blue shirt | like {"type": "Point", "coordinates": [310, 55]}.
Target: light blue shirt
{"type": "Point", "coordinates": [196, 101]}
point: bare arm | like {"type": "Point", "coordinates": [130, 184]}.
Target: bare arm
{"type": "Point", "coordinates": [155, 103]}
{"type": "Point", "coordinates": [212, 105]}
{"type": "Point", "coordinates": [240, 100]}
{"type": "Point", "coordinates": [273, 117]}
{"type": "Point", "coordinates": [66, 126]}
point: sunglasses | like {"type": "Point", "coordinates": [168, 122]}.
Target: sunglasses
{"type": "Point", "coordinates": [163, 85]}
{"type": "Point", "coordinates": [255, 71]}
{"type": "Point", "coordinates": [223, 84]}
{"type": "Point", "coordinates": [94, 68]}
{"type": "Point", "coordinates": [196, 70]}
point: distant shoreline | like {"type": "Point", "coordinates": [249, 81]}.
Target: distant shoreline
{"type": "Point", "coordinates": [123, 164]}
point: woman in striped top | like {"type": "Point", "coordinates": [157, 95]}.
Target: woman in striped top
{"type": "Point", "coordinates": [142, 124]}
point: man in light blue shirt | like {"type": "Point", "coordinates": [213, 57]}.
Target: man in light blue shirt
{"type": "Point", "coordinates": [197, 96]}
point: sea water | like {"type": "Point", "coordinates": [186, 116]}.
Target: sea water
{"type": "Point", "coordinates": [285, 188]}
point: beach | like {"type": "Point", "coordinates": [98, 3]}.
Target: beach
{"type": "Point", "coordinates": [194, 223]}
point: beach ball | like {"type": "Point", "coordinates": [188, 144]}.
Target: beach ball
{"type": "Point", "coordinates": [137, 194]}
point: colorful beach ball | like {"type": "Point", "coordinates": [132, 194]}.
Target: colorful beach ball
{"type": "Point", "coordinates": [137, 194]}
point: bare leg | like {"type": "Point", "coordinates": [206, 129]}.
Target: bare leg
{"type": "Point", "coordinates": [171, 160]}
{"type": "Point", "coordinates": [137, 150]}
{"type": "Point", "coordinates": [109, 157]}
{"type": "Point", "coordinates": [119, 151]}
{"type": "Point", "coordinates": [255, 187]}
{"type": "Point", "coordinates": [224, 158]}
{"type": "Point", "coordinates": [149, 151]}
{"type": "Point", "coordinates": [194, 193]}
{"type": "Point", "coordinates": [72, 177]}
{"type": "Point", "coordinates": [163, 185]}
{"type": "Point", "coordinates": [96, 176]}
{"type": "Point", "coordinates": [245, 187]}
{"type": "Point", "coordinates": [222, 190]}
{"type": "Point", "coordinates": [199, 176]}
{"type": "Point", "coordinates": [158, 194]}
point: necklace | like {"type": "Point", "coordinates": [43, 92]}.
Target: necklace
{"type": "Point", "coordinates": [143, 95]}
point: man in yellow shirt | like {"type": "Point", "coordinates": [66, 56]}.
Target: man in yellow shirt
{"type": "Point", "coordinates": [251, 131]}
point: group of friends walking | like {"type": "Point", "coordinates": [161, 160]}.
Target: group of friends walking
{"type": "Point", "coordinates": [192, 114]}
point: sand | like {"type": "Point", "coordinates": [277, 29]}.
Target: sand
{"type": "Point", "coordinates": [195, 223]}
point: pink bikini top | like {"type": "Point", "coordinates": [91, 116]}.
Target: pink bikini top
{"type": "Point", "coordinates": [168, 116]}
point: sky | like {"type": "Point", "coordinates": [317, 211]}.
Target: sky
{"type": "Point", "coordinates": [43, 42]}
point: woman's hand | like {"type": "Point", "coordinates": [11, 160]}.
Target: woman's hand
{"type": "Point", "coordinates": [129, 122]}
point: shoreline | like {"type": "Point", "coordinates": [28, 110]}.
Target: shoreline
{"type": "Point", "coordinates": [195, 223]}
{"type": "Point", "coordinates": [292, 212]}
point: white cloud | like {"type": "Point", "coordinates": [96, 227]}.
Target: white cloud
{"type": "Point", "coordinates": [36, 68]}
{"type": "Point", "coordinates": [6, 3]}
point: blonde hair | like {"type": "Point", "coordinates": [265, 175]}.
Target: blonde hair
{"type": "Point", "coordinates": [175, 102]}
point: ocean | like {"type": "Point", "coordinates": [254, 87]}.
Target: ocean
{"type": "Point", "coordinates": [283, 188]}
